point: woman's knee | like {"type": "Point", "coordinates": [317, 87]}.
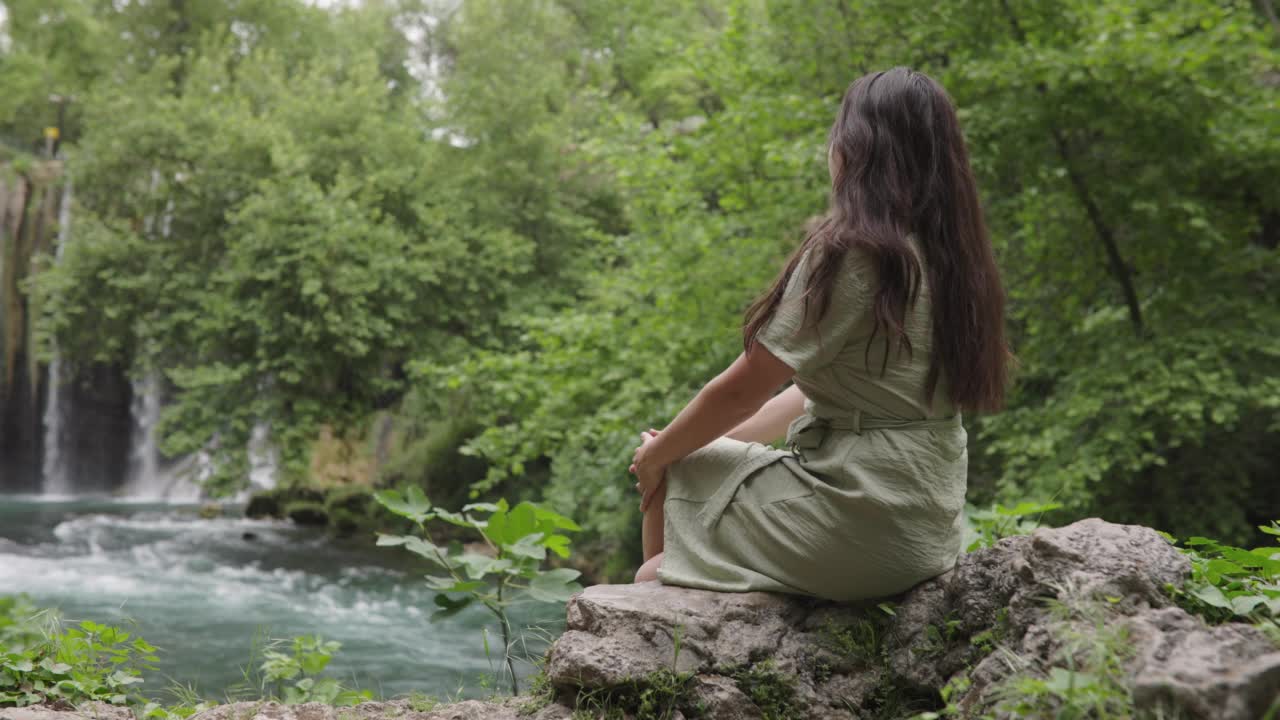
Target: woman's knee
{"type": "Point", "coordinates": [649, 571]}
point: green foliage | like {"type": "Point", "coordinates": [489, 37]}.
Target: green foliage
{"type": "Point", "coordinates": [984, 528]}
{"type": "Point", "coordinates": [769, 689]}
{"type": "Point", "coordinates": [660, 695]}
{"type": "Point", "coordinates": [296, 674]}
{"type": "Point", "coordinates": [262, 219]}
{"type": "Point", "coordinates": [42, 662]}
{"type": "Point", "coordinates": [518, 539]}
{"type": "Point", "coordinates": [1231, 583]}
{"type": "Point", "coordinates": [527, 268]}
{"type": "Point", "coordinates": [1105, 417]}
{"type": "Point", "coordinates": [18, 628]}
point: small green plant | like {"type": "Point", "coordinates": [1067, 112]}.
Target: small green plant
{"type": "Point", "coordinates": [419, 702]}
{"type": "Point", "coordinates": [771, 691]}
{"type": "Point", "coordinates": [1231, 583]}
{"type": "Point", "coordinates": [656, 696]}
{"type": "Point", "coordinates": [518, 539]}
{"type": "Point", "coordinates": [18, 628]}
{"type": "Point", "coordinates": [955, 689]}
{"type": "Point", "coordinates": [42, 663]}
{"type": "Point", "coordinates": [939, 639]}
{"type": "Point", "coordinates": [296, 674]}
{"type": "Point", "coordinates": [1087, 676]}
{"type": "Point", "coordinates": [987, 527]}
{"type": "Point", "coordinates": [987, 640]}
{"type": "Point", "coordinates": [187, 702]}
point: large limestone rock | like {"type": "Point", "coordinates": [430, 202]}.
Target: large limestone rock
{"type": "Point", "coordinates": [1024, 607]}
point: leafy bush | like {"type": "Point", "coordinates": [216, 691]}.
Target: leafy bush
{"type": "Point", "coordinates": [17, 629]}
{"type": "Point", "coordinates": [42, 663]}
{"type": "Point", "coordinates": [985, 528]}
{"type": "Point", "coordinates": [296, 674]}
{"type": "Point", "coordinates": [1230, 583]}
{"type": "Point", "coordinates": [519, 539]}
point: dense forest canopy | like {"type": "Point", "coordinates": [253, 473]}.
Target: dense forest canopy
{"type": "Point", "coordinates": [524, 231]}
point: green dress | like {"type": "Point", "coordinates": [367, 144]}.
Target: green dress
{"type": "Point", "coordinates": [867, 498]}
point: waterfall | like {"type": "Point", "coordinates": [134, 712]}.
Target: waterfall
{"type": "Point", "coordinates": [53, 470]}
{"type": "Point", "coordinates": [150, 477]}
{"type": "Point", "coordinates": [54, 476]}
{"type": "Point", "coordinates": [264, 459]}
{"type": "Point", "coordinates": [86, 430]}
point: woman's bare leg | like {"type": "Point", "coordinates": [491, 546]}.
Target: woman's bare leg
{"type": "Point", "coordinates": [651, 529]}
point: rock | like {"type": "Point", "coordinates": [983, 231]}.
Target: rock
{"type": "Point", "coordinates": [1040, 598]}
{"type": "Point", "coordinates": [306, 512]}
{"type": "Point", "coordinates": [623, 634]}
{"type": "Point", "coordinates": [1224, 671]}
{"type": "Point", "coordinates": [723, 699]}
{"type": "Point", "coordinates": [87, 711]}
{"type": "Point", "coordinates": [1002, 590]}
{"type": "Point", "coordinates": [210, 510]}
{"type": "Point", "coordinates": [262, 505]}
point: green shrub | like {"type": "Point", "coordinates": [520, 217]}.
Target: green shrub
{"type": "Point", "coordinates": [296, 674]}
{"type": "Point", "coordinates": [43, 663]}
{"type": "Point", "coordinates": [1230, 583]}
{"type": "Point", "coordinates": [519, 538]}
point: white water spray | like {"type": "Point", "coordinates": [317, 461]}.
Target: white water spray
{"type": "Point", "coordinates": [54, 480]}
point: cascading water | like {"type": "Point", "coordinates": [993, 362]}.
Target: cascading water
{"type": "Point", "coordinates": [53, 470]}
{"type": "Point", "coordinates": [150, 477]}
{"type": "Point", "coordinates": [264, 459]}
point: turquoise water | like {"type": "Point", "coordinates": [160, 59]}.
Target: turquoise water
{"type": "Point", "coordinates": [202, 590]}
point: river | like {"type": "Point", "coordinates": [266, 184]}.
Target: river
{"type": "Point", "coordinates": [203, 590]}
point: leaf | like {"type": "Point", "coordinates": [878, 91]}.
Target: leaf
{"type": "Point", "coordinates": [449, 585]}
{"type": "Point", "coordinates": [507, 527]}
{"type": "Point", "coordinates": [413, 504]}
{"type": "Point", "coordinates": [415, 545]}
{"type": "Point", "coordinates": [529, 546]}
{"type": "Point", "coordinates": [1211, 595]}
{"type": "Point", "coordinates": [555, 520]}
{"type": "Point", "coordinates": [55, 667]}
{"type": "Point", "coordinates": [558, 544]}
{"type": "Point", "coordinates": [554, 585]}
{"type": "Point", "coordinates": [122, 677]}
{"type": "Point", "coordinates": [1246, 604]}
{"type": "Point", "coordinates": [450, 607]}
{"type": "Point", "coordinates": [456, 519]}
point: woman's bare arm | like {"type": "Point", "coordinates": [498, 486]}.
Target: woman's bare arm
{"type": "Point", "coordinates": [731, 398]}
{"type": "Point", "coordinates": [771, 421]}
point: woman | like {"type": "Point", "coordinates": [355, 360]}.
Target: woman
{"type": "Point", "coordinates": [889, 319]}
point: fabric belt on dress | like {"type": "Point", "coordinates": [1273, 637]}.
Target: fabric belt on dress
{"type": "Point", "coordinates": [808, 432]}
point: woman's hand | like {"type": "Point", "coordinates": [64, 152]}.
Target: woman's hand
{"type": "Point", "coordinates": [649, 479]}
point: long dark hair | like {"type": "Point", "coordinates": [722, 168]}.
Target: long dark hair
{"type": "Point", "coordinates": [901, 167]}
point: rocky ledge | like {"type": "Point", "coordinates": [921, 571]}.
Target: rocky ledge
{"type": "Point", "coordinates": [1079, 615]}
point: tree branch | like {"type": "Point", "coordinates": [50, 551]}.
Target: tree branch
{"type": "Point", "coordinates": [1120, 270]}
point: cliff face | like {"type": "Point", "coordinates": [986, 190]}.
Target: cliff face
{"type": "Point", "coordinates": [1070, 618]}
{"type": "Point", "coordinates": [29, 203]}
{"type": "Point", "coordinates": [94, 405]}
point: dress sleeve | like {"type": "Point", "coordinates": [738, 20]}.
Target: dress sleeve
{"type": "Point", "coordinates": [800, 343]}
